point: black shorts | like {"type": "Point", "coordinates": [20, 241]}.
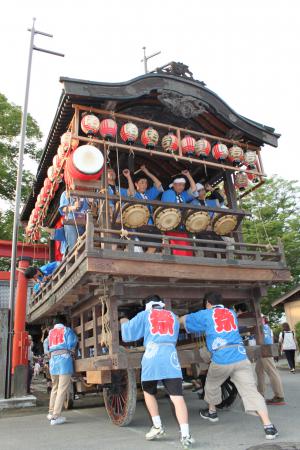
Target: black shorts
{"type": "Point", "coordinates": [172, 385]}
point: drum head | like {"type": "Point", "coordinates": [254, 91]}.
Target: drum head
{"type": "Point", "coordinates": [135, 216]}
{"type": "Point", "coordinates": [88, 159]}
{"type": "Point", "coordinates": [197, 221]}
{"type": "Point", "coordinates": [223, 225]}
{"type": "Point", "coordinates": [167, 219]}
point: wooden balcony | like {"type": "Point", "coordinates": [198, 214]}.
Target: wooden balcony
{"type": "Point", "coordinates": [104, 257]}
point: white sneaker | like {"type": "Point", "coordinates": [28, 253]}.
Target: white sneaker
{"type": "Point", "coordinates": [49, 416]}
{"type": "Point", "coordinates": [187, 441]}
{"type": "Point", "coordinates": [58, 421]}
{"type": "Point", "coordinates": [155, 433]}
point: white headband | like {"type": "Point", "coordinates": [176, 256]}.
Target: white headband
{"type": "Point", "coordinates": [150, 304]}
{"type": "Point", "coordinates": [178, 180]}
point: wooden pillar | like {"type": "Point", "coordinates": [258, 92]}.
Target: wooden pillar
{"type": "Point", "coordinates": [89, 232]}
{"type": "Point", "coordinates": [96, 329]}
{"type": "Point", "coordinates": [232, 200]}
{"type": "Point", "coordinates": [112, 313]}
{"type": "Point", "coordinates": [255, 303]}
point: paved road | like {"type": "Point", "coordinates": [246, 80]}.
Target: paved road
{"type": "Point", "coordinates": [90, 428]}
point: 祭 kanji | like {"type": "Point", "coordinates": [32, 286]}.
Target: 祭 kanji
{"type": "Point", "coordinates": [56, 337]}
{"type": "Point", "coordinates": [224, 320]}
{"type": "Point", "coordinates": [162, 322]}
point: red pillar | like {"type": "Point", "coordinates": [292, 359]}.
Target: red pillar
{"type": "Point", "coordinates": [20, 340]}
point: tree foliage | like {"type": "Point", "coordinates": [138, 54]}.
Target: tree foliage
{"type": "Point", "coordinates": [10, 123]}
{"type": "Point", "coordinates": [275, 209]}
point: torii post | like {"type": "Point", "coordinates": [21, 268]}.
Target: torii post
{"type": "Point", "coordinates": [25, 253]}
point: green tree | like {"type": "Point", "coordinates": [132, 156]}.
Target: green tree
{"type": "Point", "coordinates": [10, 123]}
{"type": "Point", "coordinates": [275, 209]}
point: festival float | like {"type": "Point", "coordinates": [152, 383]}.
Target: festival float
{"type": "Point", "coordinates": [170, 122]}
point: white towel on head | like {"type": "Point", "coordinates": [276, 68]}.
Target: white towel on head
{"type": "Point", "coordinates": [177, 180]}
{"type": "Point", "coordinates": [149, 305]}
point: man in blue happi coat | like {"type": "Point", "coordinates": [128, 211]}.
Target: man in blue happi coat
{"type": "Point", "coordinates": [144, 192]}
{"type": "Point", "coordinates": [113, 188]}
{"type": "Point", "coordinates": [40, 274]}
{"type": "Point", "coordinates": [178, 192]}
{"type": "Point", "coordinates": [60, 344]}
{"type": "Point", "coordinates": [267, 366]}
{"type": "Point", "coordinates": [159, 328]}
{"type": "Point", "coordinates": [72, 209]}
{"type": "Point", "coordinates": [229, 359]}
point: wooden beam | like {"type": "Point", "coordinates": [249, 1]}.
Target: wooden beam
{"type": "Point", "coordinates": [164, 125]}
{"type": "Point", "coordinates": [200, 162]}
{"type": "Point", "coordinates": [165, 269]}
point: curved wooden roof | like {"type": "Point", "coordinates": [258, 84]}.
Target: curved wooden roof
{"type": "Point", "coordinates": [160, 96]}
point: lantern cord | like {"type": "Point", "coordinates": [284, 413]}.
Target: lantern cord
{"type": "Point", "coordinates": [119, 189]}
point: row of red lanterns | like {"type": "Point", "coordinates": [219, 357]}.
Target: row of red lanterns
{"type": "Point", "coordinates": [107, 128]}
{"type": "Point", "coordinates": [51, 184]}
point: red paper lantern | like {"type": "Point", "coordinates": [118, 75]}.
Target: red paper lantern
{"type": "Point", "coordinates": [47, 185]}
{"type": "Point", "coordinates": [35, 215]}
{"type": "Point", "coordinates": [170, 143]}
{"type": "Point", "coordinates": [68, 142]}
{"type": "Point", "coordinates": [36, 235]}
{"type": "Point", "coordinates": [149, 137]}
{"type": "Point", "coordinates": [188, 145]}
{"type": "Point", "coordinates": [250, 158]}
{"type": "Point", "coordinates": [253, 178]}
{"type": "Point", "coordinates": [220, 151]}
{"type": "Point", "coordinates": [56, 162]}
{"type": "Point", "coordinates": [85, 163]}
{"type": "Point", "coordinates": [241, 181]}
{"type": "Point", "coordinates": [61, 153]}
{"type": "Point", "coordinates": [129, 133]}
{"type": "Point", "coordinates": [202, 148]}
{"type": "Point", "coordinates": [108, 129]}
{"type": "Point", "coordinates": [90, 124]}
{"type": "Point", "coordinates": [54, 174]}
{"type": "Point", "coordinates": [236, 155]}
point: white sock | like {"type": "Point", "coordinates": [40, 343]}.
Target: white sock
{"type": "Point", "coordinates": [185, 430]}
{"type": "Point", "coordinates": [156, 421]}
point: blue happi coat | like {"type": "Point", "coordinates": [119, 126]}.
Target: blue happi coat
{"type": "Point", "coordinates": [170, 196]}
{"type": "Point", "coordinates": [150, 194]}
{"type": "Point", "coordinates": [70, 201]}
{"type": "Point", "coordinates": [220, 326]}
{"type": "Point", "coordinates": [61, 338]}
{"type": "Point", "coordinates": [268, 335]}
{"type": "Point", "coordinates": [159, 328]}
{"type": "Point", "coordinates": [46, 269]}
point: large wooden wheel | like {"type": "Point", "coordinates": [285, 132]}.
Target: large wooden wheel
{"type": "Point", "coordinates": [120, 397]}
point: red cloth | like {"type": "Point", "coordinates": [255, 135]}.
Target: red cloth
{"type": "Point", "coordinates": [177, 242]}
{"type": "Point", "coordinates": [57, 253]}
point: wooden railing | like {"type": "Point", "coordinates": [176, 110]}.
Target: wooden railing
{"type": "Point", "coordinates": [121, 244]}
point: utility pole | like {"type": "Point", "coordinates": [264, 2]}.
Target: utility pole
{"type": "Point", "coordinates": [32, 47]}
{"type": "Point", "coordinates": [145, 59]}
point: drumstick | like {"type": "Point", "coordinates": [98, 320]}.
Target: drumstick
{"type": "Point", "coordinates": [176, 175]}
{"type": "Point", "coordinates": [137, 171]}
